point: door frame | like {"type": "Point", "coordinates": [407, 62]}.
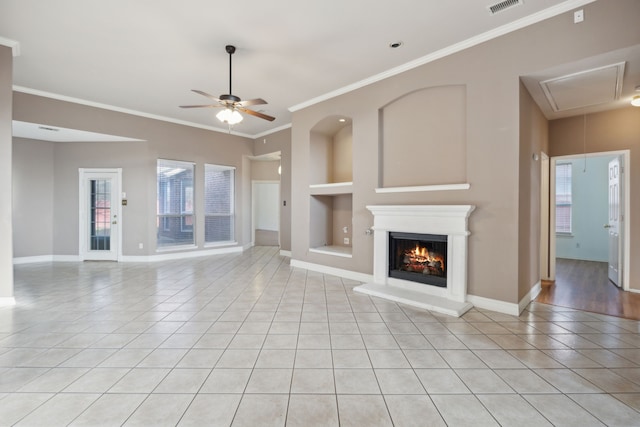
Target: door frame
{"type": "Point", "coordinates": [545, 215]}
{"type": "Point", "coordinates": [253, 207]}
{"type": "Point", "coordinates": [82, 210]}
{"type": "Point", "coordinates": [626, 196]}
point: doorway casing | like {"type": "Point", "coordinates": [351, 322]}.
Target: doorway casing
{"type": "Point", "coordinates": [551, 252]}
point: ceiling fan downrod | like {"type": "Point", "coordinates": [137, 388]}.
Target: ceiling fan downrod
{"type": "Point", "coordinates": [230, 97]}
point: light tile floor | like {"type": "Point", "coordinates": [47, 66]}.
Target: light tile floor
{"type": "Point", "coordinates": [246, 340]}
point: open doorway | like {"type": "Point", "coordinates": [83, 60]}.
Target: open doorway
{"type": "Point", "coordinates": [583, 248]}
{"type": "Point", "coordinates": [265, 199]}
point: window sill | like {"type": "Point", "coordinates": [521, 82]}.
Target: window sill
{"type": "Point", "coordinates": [176, 248]}
{"type": "Point", "coordinates": [219, 244]}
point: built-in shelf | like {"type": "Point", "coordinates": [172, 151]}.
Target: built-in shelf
{"type": "Point", "coordinates": [421, 188]}
{"type": "Point", "coordinates": [341, 251]}
{"type": "Point", "coordinates": [331, 189]}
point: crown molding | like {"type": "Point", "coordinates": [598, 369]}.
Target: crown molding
{"type": "Point", "coordinates": [14, 45]}
{"type": "Point", "coordinates": [123, 110]}
{"type": "Point", "coordinates": [450, 50]}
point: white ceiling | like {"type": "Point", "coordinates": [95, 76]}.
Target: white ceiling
{"type": "Point", "coordinates": [145, 56]}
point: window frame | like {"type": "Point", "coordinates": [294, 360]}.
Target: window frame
{"type": "Point", "coordinates": [567, 194]}
{"type": "Point", "coordinates": [208, 167]}
{"type": "Point", "coordinates": [164, 220]}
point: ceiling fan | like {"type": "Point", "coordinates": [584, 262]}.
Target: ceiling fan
{"type": "Point", "coordinates": [231, 104]}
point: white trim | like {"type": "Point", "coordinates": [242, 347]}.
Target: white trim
{"type": "Point", "coordinates": [440, 187]}
{"type": "Point", "coordinates": [494, 305]}
{"type": "Point", "coordinates": [270, 131]}
{"type": "Point", "coordinates": [329, 251]}
{"type": "Point", "coordinates": [347, 274]}
{"type": "Point", "coordinates": [626, 234]}
{"type": "Point", "coordinates": [14, 45]}
{"type": "Point", "coordinates": [124, 110]}
{"type": "Point", "coordinates": [635, 291]}
{"type": "Point", "coordinates": [83, 197]}
{"type": "Point", "coordinates": [32, 259]}
{"type": "Point", "coordinates": [66, 258]}
{"type": "Point", "coordinates": [7, 301]}
{"type": "Point", "coordinates": [285, 253]}
{"type": "Point", "coordinates": [530, 296]}
{"type": "Point", "coordinates": [181, 255]}
{"type": "Point", "coordinates": [332, 185]}
{"type": "Point", "coordinates": [450, 50]}
{"type": "Point", "coordinates": [415, 299]}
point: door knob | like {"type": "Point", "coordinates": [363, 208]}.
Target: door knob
{"type": "Point", "coordinates": [607, 226]}
{"type": "Point", "coordinates": [114, 222]}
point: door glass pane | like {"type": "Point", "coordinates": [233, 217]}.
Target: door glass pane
{"type": "Point", "coordinates": [100, 215]}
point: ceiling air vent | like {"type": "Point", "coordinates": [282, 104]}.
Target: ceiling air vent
{"type": "Point", "coordinates": [503, 5]}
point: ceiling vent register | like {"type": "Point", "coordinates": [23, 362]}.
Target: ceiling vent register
{"type": "Point", "coordinates": [503, 5]}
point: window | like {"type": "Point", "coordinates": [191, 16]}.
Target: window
{"type": "Point", "coordinates": [218, 203]}
{"type": "Point", "coordinates": [563, 198]}
{"type": "Point", "coordinates": [175, 203]}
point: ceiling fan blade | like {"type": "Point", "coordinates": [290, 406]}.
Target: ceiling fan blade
{"type": "Point", "coordinates": [201, 106]}
{"type": "Point", "coordinates": [205, 94]}
{"type": "Point", "coordinates": [255, 113]}
{"type": "Point", "coordinates": [257, 101]}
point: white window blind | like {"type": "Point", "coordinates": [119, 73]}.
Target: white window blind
{"type": "Point", "coordinates": [563, 198]}
{"type": "Point", "coordinates": [175, 203]}
{"type": "Point", "coordinates": [219, 201]}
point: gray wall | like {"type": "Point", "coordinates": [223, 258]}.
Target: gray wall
{"type": "Point", "coordinates": [33, 195]}
{"type": "Point", "coordinates": [6, 236]}
{"type": "Point", "coordinates": [138, 163]}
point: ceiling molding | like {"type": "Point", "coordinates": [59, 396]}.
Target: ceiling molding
{"type": "Point", "coordinates": [455, 48]}
{"type": "Point", "coordinates": [14, 45]}
{"type": "Point", "coordinates": [124, 110]}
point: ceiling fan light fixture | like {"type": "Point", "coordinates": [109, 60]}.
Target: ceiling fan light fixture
{"type": "Point", "coordinates": [229, 116]}
{"type": "Point", "coordinates": [635, 101]}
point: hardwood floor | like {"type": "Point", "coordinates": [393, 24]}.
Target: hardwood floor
{"type": "Point", "coordinates": [584, 285]}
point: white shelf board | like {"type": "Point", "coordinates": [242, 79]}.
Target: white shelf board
{"type": "Point", "coordinates": [341, 251]}
{"type": "Point", "coordinates": [422, 188]}
{"type": "Point", "coordinates": [331, 189]}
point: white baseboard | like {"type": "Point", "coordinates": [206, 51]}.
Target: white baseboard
{"type": "Point", "coordinates": [285, 253]}
{"type": "Point", "coordinates": [347, 274]}
{"type": "Point", "coordinates": [181, 255]}
{"type": "Point", "coordinates": [494, 305]}
{"type": "Point", "coordinates": [7, 301]}
{"type": "Point", "coordinates": [32, 259]}
{"type": "Point", "coordinates": [533, 293]}
{"type": "Point", "coordinates": [134, 258]}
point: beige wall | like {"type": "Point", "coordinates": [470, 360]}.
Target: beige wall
{"type": "Point", "coordinates": [138, 161]}
{"type": "Point", "coordinates": [534, 132]}
{"type": "Point", "coordinates": [490, 73]}
{"type": "Point", "coordinates": [280, 141]}
{"type": "Point", "coordinates": [607, 131]}
{"type": "Point", "coordinates": [6, 238]}
{"type": "Point", "coordinates": [265, 171]}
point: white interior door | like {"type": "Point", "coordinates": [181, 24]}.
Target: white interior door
{"type": "Point", "coordinates": [100, 214]}
{"type": "Point", "coordinates": [615, 220]}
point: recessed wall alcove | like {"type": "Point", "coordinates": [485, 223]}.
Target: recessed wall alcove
{"type": "Point", "coordinates": [423, 138]}
{"type": "Point", "coordinates": [330, 186]}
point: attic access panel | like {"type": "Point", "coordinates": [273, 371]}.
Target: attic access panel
{"type": "Point", "coordinates": [585, 88]}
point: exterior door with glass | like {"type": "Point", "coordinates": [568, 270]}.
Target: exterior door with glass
{"type": "Point", "coordinates": [100, 214]}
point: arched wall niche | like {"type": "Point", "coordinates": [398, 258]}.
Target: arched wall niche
{"type": "Point", "coordinates": [423, 138]}
{"type": "Point", "coordinates": [331, 150]}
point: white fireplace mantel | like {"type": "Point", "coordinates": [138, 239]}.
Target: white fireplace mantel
{"type": "Point", "coordinates": [449, 220]}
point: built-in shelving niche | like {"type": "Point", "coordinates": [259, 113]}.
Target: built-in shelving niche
{"type": "Point", "coordinates": [331, 186]}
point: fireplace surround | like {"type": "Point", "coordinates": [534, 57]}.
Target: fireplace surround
{"type": "Point", "coordinates": [450, 221]}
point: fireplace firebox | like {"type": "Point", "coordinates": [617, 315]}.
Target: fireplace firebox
{"type": "Point", "coordinates": [418, 257]}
